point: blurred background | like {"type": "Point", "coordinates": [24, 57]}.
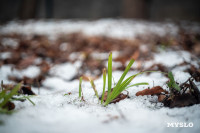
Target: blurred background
{"type": "Point", "coordinates": [155, 10]}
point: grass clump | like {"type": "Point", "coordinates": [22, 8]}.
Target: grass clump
{"type": "Point", "coordinates": [8, 95]}
{"type": "Point", "coordinates": [172, 83]}
{"type": "Point", "coordinates": [121, 84]}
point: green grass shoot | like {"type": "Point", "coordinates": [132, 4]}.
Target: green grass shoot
{"type": "Point", "coordinates": [22, 98]}
{"type": "Point", "coordinates": [104, 85]}
{"type": "Point", "coordinates": [30, 100]}
{"type": "Point", "coordinates": [4, 98]}
{"type": "Point", "coordinates": [1, 85]}
{"type": "Point", "coordinates": [172, 84]}
{"type": "Point", "coordinates": [121, 84]}
{"type": "Point", "coordinates": [109, 73]}
{"type": "Point", "coordinates": [119, 87]}
{"type": "Point", "coordinates": [80, 86]}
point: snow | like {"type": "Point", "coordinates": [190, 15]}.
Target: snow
{"type": "Point", "coordinates": [58, 113]}
{"type": "Point", "coordinates": [9, 42]}
{"type": "Point", "coordinates": [8, 70]}
{"type": "Point", "coordinates": [65, 71]}
{"type": "Point", "coordinates": [77, 55]}
{"type": "Point", "coordinates": [5, 55]}
{"type": "Point", "coordinates": [56, 83]}
{"type": "Point", "coordinates": [172, 58]}
{"type": "Point", "coordinates": [180, 76]}
{"type": "Point", "coordinates": [55, 112]}
{"type": "Point", "coordinates": [31, 71]}
{"type": "Point", "coordinates": [104, 56]}
{"type": "Point", "coordinates": [63, 46]}
{"type": "Point", "coordinates": [117, 28]}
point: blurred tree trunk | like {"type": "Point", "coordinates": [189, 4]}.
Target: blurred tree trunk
{"type": "Point", "coordinates": [49, 8]}
{"type": "Point", "coordinates": [134, 9]}
{"type": "Point", "coordinates": [27, 9]}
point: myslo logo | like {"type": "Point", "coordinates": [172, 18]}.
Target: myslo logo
{"type": "Point", "coordinates": [180, 124]}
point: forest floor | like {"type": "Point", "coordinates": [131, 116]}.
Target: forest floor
{"type": "Point", "coordinates": [50, 56]}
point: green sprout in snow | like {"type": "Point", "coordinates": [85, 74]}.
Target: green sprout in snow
{"type": "Point", "coordinates": [8, 96]}
{"type": "Point", "coordinates": [121, 84]}
{"type": "Point", "coordinates": [80, 86]}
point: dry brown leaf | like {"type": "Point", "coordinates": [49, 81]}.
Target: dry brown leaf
{"type": "Point", "coordinates": [161, 97]}
{"type": "Point", "coordinates": [120, 97]}
{"type": "Point", "coordinates": [153, 91]}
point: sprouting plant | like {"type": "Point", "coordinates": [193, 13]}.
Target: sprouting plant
{"type": "Point", "coordinates": [172, 83]}
{"type": "Point", "coordinates": [109, 74]}
{"type": "Point", "coordinates": [6, 97]}
{"type": "Point", "coordinates": [121, 84]}
{"type": "Point", "coordinates": [80, 86]}
{"type": "Point", "coordinates": [104, 85]}
{"type": "Point", "coordinates": [94, 87]}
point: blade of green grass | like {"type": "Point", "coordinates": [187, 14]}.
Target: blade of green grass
{"type": "Point", "coordinates": [23, 98]}
{"type": "Point", "coordinates": [109, 73]}
{"type": "Point", "coordinates": [2, 94]}
{"type": "Point", "coordinates": [124, 74]}
{"type": "Point", "coordinates": [123, 84]}
{"type": "Point", "coordinates": [171, 77]}
{"type": "Point", "coordinates": [1, 85]}
{"type": "Point", "coordinates": [80, 87]}
{"type": "Point", "coordinates": [137, 84]}
{"type": "Point", "coordinates": [30, 101]}
{"type": "Point", "coordinates": [172, 83]}
{"type": "Point", "coordinates": [121, 88]}
{"type": "Point", "coordinates": [104, 85]}
{"type": "Point", "coordinates": [26, 97]}
{"type": "Point", "coordinates": [14, 91]}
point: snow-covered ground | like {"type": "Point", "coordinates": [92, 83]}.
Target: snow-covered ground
{"type": "Point", "coordinates": [55, 112]}
{"type": "Point", "coordinates": [106, 27]}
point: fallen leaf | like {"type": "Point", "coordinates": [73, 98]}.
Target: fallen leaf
{"type": "Point", "coordinates": [120, 97]}
{"type": "Point", "coordinates": [153, 91]}
{"type": "Point", "coordinates": [161, 97]}
{"type": "Point", "coordinates": [9, 105]}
